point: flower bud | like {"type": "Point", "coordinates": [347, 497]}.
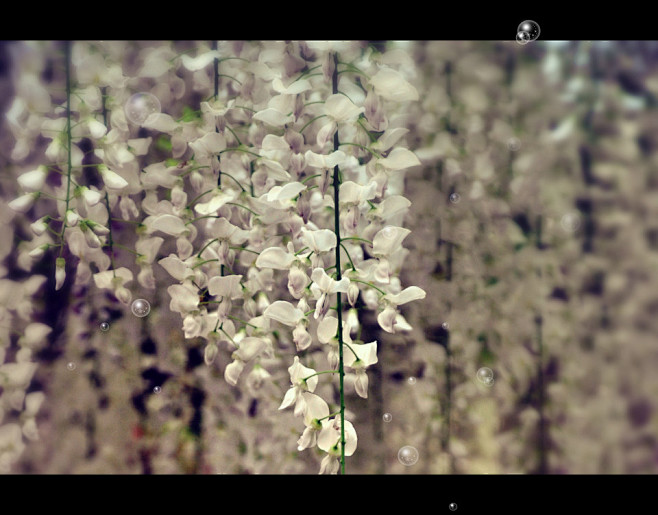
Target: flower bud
{"type": "Point", "coordinates": [123, 295]}
{"type": "Point", "coordinates": [297, 281]}
{"type": "Point", "coordinates": [34, 180]}
{"type": "Point", "coordinates": [72, 218]}
{"type": "Point", "coordinates": [91, 197]}
{"type": "Point", "coordinates": [60, 272]}
{"type": "Point", "coordinates": [38, 252]}
{"type": "Point", "coordinates": [352, 293]}
{"type": "Point", "coordinates": [301, 337]}
{"type": "Point", "coordinates": [40, 226]}
{"type": "Point", "coordinates": [210, 353]}
{"type": "Point", "coordinates": [91, 238]}
{"type": "Point", "coordinates": [24, 203]}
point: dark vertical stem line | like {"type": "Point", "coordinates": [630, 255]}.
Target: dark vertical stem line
{"type": "Point", "coordinates": [67, 52]}
{"type": "Point", "coordinates": [216, 69]}
{"type": "Point", "coordinates": [448, 405]}
{"type": "Point", "coordinates": [339, 307]}
{"type": "Point", "coordinates": [103, 97]}
{"type": "Point", "coordinates": [540, 371]}
{"type": "Point", "coordinates": [449, 261]}
{"type": "Point", "coordinates": [540, 401]}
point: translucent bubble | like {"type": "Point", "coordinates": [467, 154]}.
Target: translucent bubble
{"type": "Point", "coordinates": [157, 389]}
{"type": "Point", "coordinates": [411, 380]}
{"type": "Point", "coordinates": [387, 417]}
{"type": "Point", "coordinates": [522, 38]}
{"type": "Point", "coordinates": [140, 307]}
{"type": "Point", "coordinates": [140, 106]}
{"type": "Point", "coordinates": [452, 506]}
{"type": "Point", "coordinates": [485, 375]}
{"type": "Point", "coordinates": [529, 27]}
{"type": "Point", "coordinates": [570, 222]}
{"type": "Point", "coordinates": [514, 144]}
{"type": "Point", "coordinates": [445, 325]}
{"type": "Point", "coordinates": [70, 365]}
{"type": "Point", "coordinates": [388, 231]}
{"type": "Point", "coordinates": [454, 198]}
{"type": "Point", "coordinates": [408, 455]}
{"type": "Point", "coordinates": [105, 326]}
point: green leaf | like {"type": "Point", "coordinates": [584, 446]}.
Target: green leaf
{"type": "Point", "coordinates": [190, 115]}
{"type": "Point", "coordinates": [163, 143]}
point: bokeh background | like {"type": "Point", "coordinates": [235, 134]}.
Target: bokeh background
{"type": "Point", "coordinates": [534, 223]}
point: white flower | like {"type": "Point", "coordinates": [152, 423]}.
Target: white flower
{"type": "Point", "coordinates": [34, 180]}
{"type": "Point", "coordinates": [111, 179]}
{"type": "Point", "coordinates": [114, 280]}
{"type": "Point", "coordinates": [284, 312]}
{"type": "Point", "coordinates": [250, 348]}
{"type": "Point", "coordinates": [302, 379]}
{"type": "Point", "coordinates": [390, 317]}
{"type": "Point", "coordinates": [316, 409]}
{"type": "Point", "coordinates": [391, 85]}
{"type": "Point", "coordinates": [359, 357]}
{"type": "Point", "coordinates": [24, 203]}
{"type": "Point", "coordinates": [329, 440]}
{"type": "Point", "coordinates": [322, 287]}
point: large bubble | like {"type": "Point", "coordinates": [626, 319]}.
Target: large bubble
{"type": "Point", "coordinates": [140, 106]}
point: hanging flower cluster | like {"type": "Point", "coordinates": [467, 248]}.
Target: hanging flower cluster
{"type": "Point", "coordinates": [274, 203]}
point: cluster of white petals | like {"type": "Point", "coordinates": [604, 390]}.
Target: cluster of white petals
{"type": "Point", "coordinates": [276, 197]}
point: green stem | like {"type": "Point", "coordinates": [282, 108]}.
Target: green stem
{"type": "Point", "coordinates": [329, 416]}
{"type": "Point", "coordinates": [341, 365]}
{"type": "Point", "coordinates": [319, 373]}
{"type": "Point", "coordinates": [245, 249]}
{"type": "Point", "coordinates": [203, 263]}
{"type": "Point", "coordinates": [206, 246]}
{"type": "Point", "coordinates": [236, 181]}
{"type": "Point", "coordinates": [364, 148]}
{"type": "Point", "coordinates": [109, 226]}
{"type": "Point", "coordinates": [310, 122]}
{"type": "Point", "coordinates": [357, 239]}
{"type": "Point", "coordinates": [126, 248]}
{"type": "Point", "coordinates": [242, 321]}
{"type": "Point", "coordinates": [198, 197]}
{"type": "Point", "coordinates": [348, 256]}
{"type": "Point", "coordinates": [243, 207]}
{"type": "Point", "coordinates": [368, 284]}
{"type": "Point", "coordinates": [311, 177]}
{"type": "Point", "coordinates": [68, 138]}
{"type": "Point", "coordinates": [239, 149]}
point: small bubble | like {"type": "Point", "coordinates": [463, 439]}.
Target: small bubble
{"type": "Point", "coordinates": [514, 144]}
{"type": "Point", "coordinates": [455, 197]}
{"type": "Point", "coordinates": [388, 231]}
{"type": "Point", "coordinates": [387, 417]}
{"type": "Point", "coordinates": [408, 455]}
{"type": "Point", "coordinates": [70, 365]}
{"type": "Point", "coordinates": [485, 375]}
{"type": "Point", "coordinates": [140, 106]}
{"type": "Point", "coordinates": [411, 380]}
{"type": "Point", "coordinates": [445, 325]}
{"type": "Point", "coordinates": [522, 37]}
{"type": "Point", "coordinates": [570, 222]}
{"type": "Point", "coordinates": [141, 307]}
{"type": "Point", "coordinates": [531, 28]}
{"type": "Point", "coordinates": [105, 326]}
{"type": "Point", "coordinates": [157, 389]}
{"type": "Point", "coordinates": [452, 506]}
